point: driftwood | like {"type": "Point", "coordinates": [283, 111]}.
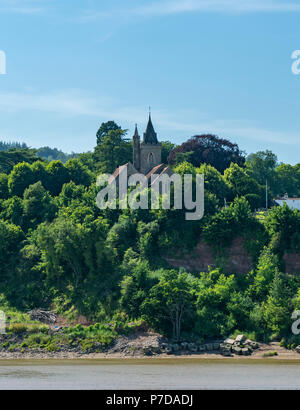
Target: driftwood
{"type": "Point", "coordinates": [43, 316]}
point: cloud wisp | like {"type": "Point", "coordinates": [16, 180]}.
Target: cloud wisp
{"type": "Point", "coordinates": [172, 7]}
{"type": "Point", "coordinates": [29, 7]}
{"type": "Point", "coordinates": [74, 103]}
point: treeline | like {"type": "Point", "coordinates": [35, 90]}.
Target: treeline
{"type": "Point", "coordinates": [59, 251]}
{"type": "Point", "coordinates": [46, 153]}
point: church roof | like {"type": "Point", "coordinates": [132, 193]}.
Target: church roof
{"type": "Point", "coordinates": [150, 136]}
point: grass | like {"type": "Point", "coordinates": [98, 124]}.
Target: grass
{"type": "Point", "coordinates": [247, 335]}
{"type": "Point", "coordinates": [270, 354]}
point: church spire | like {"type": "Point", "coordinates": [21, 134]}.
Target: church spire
{"type": "Point", "coordinates": [150, 136]}
{"type": "Point", "coordinates": [136, 132]}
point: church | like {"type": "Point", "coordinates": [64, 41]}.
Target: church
{"type": "Point", "coordinates": [146, 157]}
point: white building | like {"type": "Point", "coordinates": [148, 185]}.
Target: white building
{"type": "Point", "coordinates": [293, 203]}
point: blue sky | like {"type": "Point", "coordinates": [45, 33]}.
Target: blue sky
{"type": "Point", "coordinates": [217, 66]}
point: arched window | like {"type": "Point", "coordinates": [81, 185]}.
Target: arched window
{"type": "Point", "coordinates": [151, 159]}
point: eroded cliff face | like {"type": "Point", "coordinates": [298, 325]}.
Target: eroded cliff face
{"type": "Point", "coordinates": [292, 263]}
{"type": "Point", "coordinates": [235, 260]}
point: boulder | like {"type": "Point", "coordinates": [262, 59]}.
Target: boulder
{"type": "Point", "coordinates": [169, 349]}
{"type": "Point", "coordinates": [202, 348]}
{"type": "Point", "coordinates": [239, 339]}
{"type": "Point", "coordinates": [184, 346]}
{"type": "Point", "coordinates": [229, 342]}
{"type": "Point", "coordinates": [192, 347]}
{"type": "Point", "coordinates": [216, 346]}
{"type": "Point", "coordinates": [245, 351]}
{"type": "Point", "coordinates": [237, 350]}
{"type": "Point", "coordinates": [209, 347]}
{"type": "Point", "coordinates": [175, 347]}
{"type": "Point", "coordinates": [297, 349]}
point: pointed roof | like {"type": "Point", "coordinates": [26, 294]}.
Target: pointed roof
{"type": "Point", "coordinates": [150, 136]}
{"type": "Point", "coordinates": [136, 132]}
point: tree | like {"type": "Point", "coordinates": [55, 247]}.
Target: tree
{"type": "Point", "coordinates": [104, 129]}
{"type": "Point", "coordinates": [261, 166]}
{"type": "Point", "coordinates": [8, 159]}
{"type": "Point", "coordinates": [267, 268]}
{"type": "Point", "coordinates": [287, 180]}
{"type": "Point", "coordinates": [77, 262]}
{"type": "Point", "coordinates": [113, 151]}
{"type": "Point", "coordinates": [283, 225]}
{"type": "Point", "coordinates": [58, 175]}
{"type": "Point", "coordinates": [78, 172]}
{"type": "Point", "coordinates": [166, 148]}
{"type": "Point", "coordinates": [242, 184]}
{"type": "Point", "coordinates": [214, 182]}
{"type": "Point", "coordinates": [214, 292]}
{"type": "Point", "coordinates": [13, 210]}
{"type": "Point", "coordinates": [170, 302]}
{"type": "Point", "coordinates": [3, 186]}
{"type": "Point", "coordinates": [211, 150]}
{"type": "Point", "coordinates": [20, 178]}
{"type": "Point", "coordinates": [135, 284]}
{"type": "Point", "coordinates": [11, 237]}
{"type": "Point", "coordinates": [38, 205]}
{"type": "Point", "coordinates": [39, 171]}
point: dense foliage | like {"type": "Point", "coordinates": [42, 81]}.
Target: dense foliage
{"type": "Point", "coordinates": [59, 251]}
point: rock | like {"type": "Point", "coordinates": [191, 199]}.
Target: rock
{"type": "Point", "coordinates": [147, 351]}
{"type": "Point", "coordinates": [297, 349]}
{"type": "Point", "coordinates": [42, 315]}
{"type": "Point", "coordinates": [216, 346]}
{"type": "Point", "coordinates": [192, 347]}
{"type": "Point", "coordinates": [175, 347]}
{"type": "Point", "coordinates": [202, 348]}
{"type": "Point", "coordinates": [225, 353]}
{"type": "Point", "coordinates": [229, 341]}
{"type": "Point", "coordinates": [239, 339]}
{"type": "Point", "coordinates": [237, 350]}
{"type": "Point", "coordinates": [184, 345]}
{"type": "Point", "coordinates": [164, 346]}
{"type": "Point", "coordinates": [245, 351]}
{"type": "Point", "coordinates": [169, 349]}
{"type": "Point", "coordinates": [209, 347]}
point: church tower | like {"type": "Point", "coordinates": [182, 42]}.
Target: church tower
{"type": "Point", "coordinates": [136, 150]}
{"type": "Point", "coordinates": [150, 149]}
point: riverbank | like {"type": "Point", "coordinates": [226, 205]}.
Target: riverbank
{"type": "Point", "coordinates": [258, 355]}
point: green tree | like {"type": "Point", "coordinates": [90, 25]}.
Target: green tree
{"type": "Point", "coordinates": [4, 193]}
{"type": "Point", "coordinates": [78, 172]}
{"type": "Point", "coordinates": [104, 130]}
{"type": "Point", "coordinates": [11, 237]}
{"type": "Point", "coordinates": [287, 180]}
{"type": "Point", "coordinates": [20, 178]}
{"type": "Point", "coordinates": [261, 166]}
{"type": "Point", "coordinates": [170, 302]}
{"type": "Point", "coordinates": [58, 175]}
{"type": "Point", "coordinates": [214, 182]}
{"type": "Point", "coordinates": [113, 151]}
{"type": "Point", "coordinates": [242, 184]}
{"type": "Point", "coordinates": [166, 148]}
{"type": "Point", "coordinates": [8, 159]}
{"type": "Point", "coordinates": [38, 205]}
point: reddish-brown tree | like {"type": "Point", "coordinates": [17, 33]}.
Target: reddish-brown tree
{"type": "Point", "coordinates": [208, 149]}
